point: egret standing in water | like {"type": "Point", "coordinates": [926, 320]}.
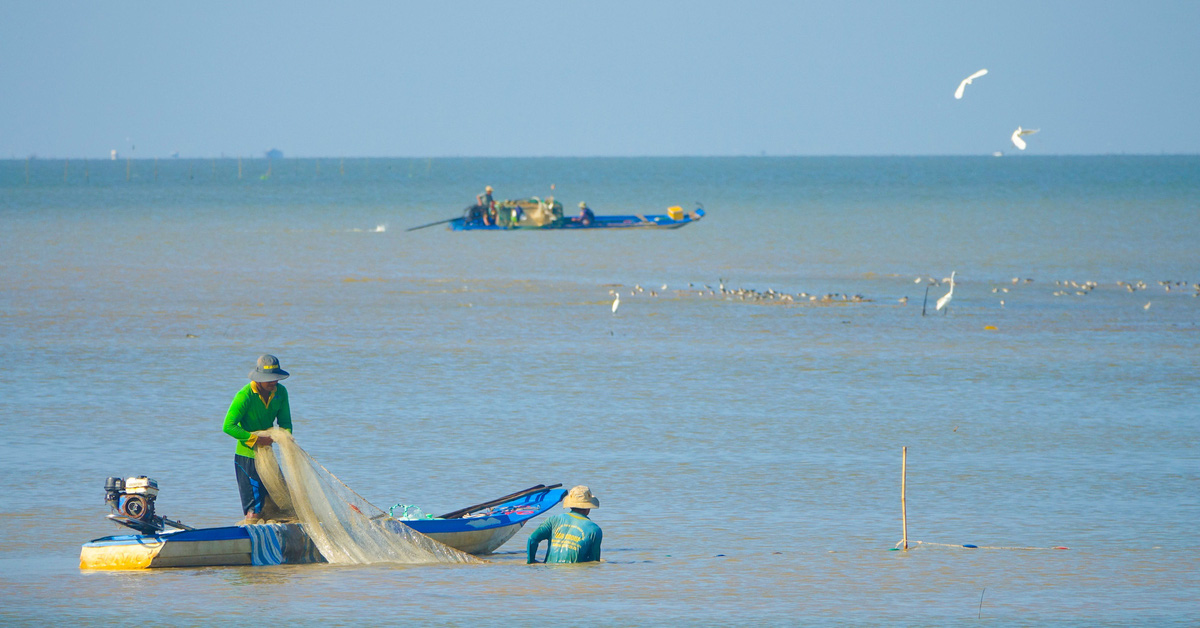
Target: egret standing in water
{"type": "Point", "coordinates": [967, 81]}
{"type": "Point", "coordinates": [945, 300]}
{"type": "Point", "coordinates": [616, 303]}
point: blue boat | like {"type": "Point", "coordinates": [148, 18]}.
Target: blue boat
{"type": "Point", "coordinates": [478, 529]}
{"type": "Point", "coordinates": [535, 213]}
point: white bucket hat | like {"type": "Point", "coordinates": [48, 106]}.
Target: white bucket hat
{"type": "Point", "coordinates": [581, 497]}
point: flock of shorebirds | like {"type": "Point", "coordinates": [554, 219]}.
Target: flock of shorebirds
{"type": "Point", "coordinates": [769, 295]}
{"type": "Point", "coordinates": [772, 296]}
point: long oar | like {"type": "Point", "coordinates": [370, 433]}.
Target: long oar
{"type": "Point", "coordinates": [496, 502]}
{"type": "Point", "coordinates": [440, 222]}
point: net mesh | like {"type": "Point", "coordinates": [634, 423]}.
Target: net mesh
{"type": "Point", "coordinates": [534, 212]}
{"type": "Point", "coordinates": [341, 523]}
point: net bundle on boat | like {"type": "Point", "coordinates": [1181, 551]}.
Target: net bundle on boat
{"type": "Point", "coordinates": [341, 523]}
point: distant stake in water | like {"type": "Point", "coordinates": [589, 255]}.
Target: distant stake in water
{"type": "Point", "coordinates": [903, 491]}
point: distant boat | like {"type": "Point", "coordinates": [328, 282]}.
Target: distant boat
{"type": "Point", "coordinates": [633, 221]}
{"type": "Point", "coordinates": [274, 153]}
{"type": "Point", "coordinates": [535, 213]}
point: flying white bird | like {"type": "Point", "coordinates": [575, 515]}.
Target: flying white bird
{"type": "Point", "coordinates": [941, 303]}
{"type": "Point", "coordinates": [616, 302]}
{"type": "Point", "coordinates": [1016, 136]}
{"type": "Point", "coordinates": [967, 81]}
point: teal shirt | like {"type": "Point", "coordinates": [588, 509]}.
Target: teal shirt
{"type": "Point", "coordinates": [247, 413]}
{"type": "Point", "coordinates": [573, 539]}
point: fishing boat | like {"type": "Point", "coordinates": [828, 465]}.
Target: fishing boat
{"type": "Point", "coordinates": [478, 529]}
{"type": "Point", "coordinates": [535, 213]}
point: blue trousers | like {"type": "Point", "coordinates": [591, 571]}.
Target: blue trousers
{"type": "Point", "coordinates": [250, 486]}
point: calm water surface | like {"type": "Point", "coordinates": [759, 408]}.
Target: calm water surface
{"type": "Point", "coordinates": [747, 453]}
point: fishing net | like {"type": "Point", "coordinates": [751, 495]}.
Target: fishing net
{"type": "Point", "coordinates": [341, 523]}
{"type": "Point", "coordinates": [531, 212]}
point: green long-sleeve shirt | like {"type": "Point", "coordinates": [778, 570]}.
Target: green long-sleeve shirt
{"type": "Point", "coordinates": [247, 413]}
{"type": "Point", "coordinates": [573, 539]}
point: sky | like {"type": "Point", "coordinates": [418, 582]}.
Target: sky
{"type": "Point", "coordinates": [642, 78]}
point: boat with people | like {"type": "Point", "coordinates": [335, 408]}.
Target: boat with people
{"type": "Point", "coordinates": [478, 529]}
{"type": "Point", "coordinates": [537, 213]}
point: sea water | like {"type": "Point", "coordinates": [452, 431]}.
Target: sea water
{"type": "Point", "coordinates": [746, 451]}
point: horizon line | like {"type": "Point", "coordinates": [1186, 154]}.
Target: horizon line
{"type": "Point", "coordinates": [264, 157]}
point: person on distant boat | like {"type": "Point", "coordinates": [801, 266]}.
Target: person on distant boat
{"type": "Point", "coordinates": [488, 206]}
{"type": "Point", "coordinates": [259, 405]}
{"type": "Point", "coordinates": [515, 215]}
{"type": "Point", "coordinates": [474, 214]}
{"type": "Point", "coordinates": [586, 217]}
{"type": "Point", "coordinates": [573, 538]}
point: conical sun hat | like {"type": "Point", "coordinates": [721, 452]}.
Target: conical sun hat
{"type": "Point", "coordinates": [581, 497]}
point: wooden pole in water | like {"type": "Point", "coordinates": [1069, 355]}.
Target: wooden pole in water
{"type": "Point", "coordinates": [903, 492]}
{"type": "Point", "coordinates": [239, 168]}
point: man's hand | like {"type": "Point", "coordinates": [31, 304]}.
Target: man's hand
{"type": "Point", "coordinates": [263, 440]}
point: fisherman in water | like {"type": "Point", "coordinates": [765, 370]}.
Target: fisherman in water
{"type": "Point", "coordinates": [259, 405]}
{"type": "Point", "coordinates": [573, 537]}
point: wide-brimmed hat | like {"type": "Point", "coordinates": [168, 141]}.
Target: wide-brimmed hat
{"type": "Point", "coordinates": [267, 370]}
{"type": "Point", "coordinates": [582, 205]}
{"type": "Point", "coordinates": [581, 497]}
{"type": "Point", "coordinates": [487, 189]}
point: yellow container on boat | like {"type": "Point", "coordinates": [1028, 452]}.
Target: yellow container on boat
{"type": "Point", "coordinates": [676, 212]}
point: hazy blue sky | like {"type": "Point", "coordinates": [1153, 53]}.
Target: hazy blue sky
{"type": "Point", "coordinates": [604, 78]}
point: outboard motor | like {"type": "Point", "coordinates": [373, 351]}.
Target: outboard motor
{"type": "Point", "coordinates": [132, 503]}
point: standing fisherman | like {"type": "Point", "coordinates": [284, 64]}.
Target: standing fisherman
{"type": "Point", "coordinates": [489, 206]}
{"type": "Point", "coordinates": [259, 405]}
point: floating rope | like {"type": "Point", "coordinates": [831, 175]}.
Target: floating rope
{"type": "Point", "coordinates": [970, 546]}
